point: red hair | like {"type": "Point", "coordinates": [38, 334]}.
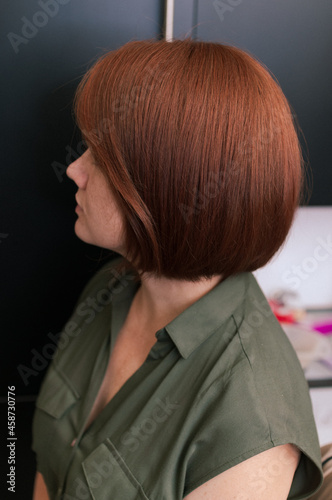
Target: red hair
{"type": "Point", "coordinates": [198, 143]}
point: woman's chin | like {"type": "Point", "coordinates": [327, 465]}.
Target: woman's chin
{"type": "Point", "coordinates": [82, 233]}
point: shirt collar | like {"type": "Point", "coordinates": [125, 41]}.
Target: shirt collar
{"type": "Point", "coordinates": [196, 323]}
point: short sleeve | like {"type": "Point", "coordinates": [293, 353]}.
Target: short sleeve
{"type": "Point", "coordinates": [234, 425]}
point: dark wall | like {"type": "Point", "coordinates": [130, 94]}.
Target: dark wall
{"type": "Point", "coordinates": [46, 46]}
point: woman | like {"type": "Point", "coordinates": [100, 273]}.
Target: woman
{"type": "Point", "coordinates": [173, 379]}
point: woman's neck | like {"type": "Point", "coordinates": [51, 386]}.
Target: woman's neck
{"type": "Point", "coordinates": [159, 300]}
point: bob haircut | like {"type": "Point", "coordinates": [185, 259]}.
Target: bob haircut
{"type": "Point", "coordinates": [199, 147]}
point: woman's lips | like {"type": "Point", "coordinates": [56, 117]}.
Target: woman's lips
{"type": "Point", "coordinates": [78, 207]}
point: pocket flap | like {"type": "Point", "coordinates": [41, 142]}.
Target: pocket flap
{"type": "Point", "coordinates": [55, 395]}
{"type": "Point", "coordinates": [108, 476]}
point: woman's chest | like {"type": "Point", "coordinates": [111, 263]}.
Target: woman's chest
{"type": "Point", "coordinates": [127, 356]}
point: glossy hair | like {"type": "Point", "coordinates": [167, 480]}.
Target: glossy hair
{"type": "Point", "coordinates": [198, 144]}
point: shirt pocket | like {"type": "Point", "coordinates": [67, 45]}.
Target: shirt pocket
{"type": "Point", "coordinates": [56, 396]}
{"type": "Point", "coordinates": [108, 476]}
{"type": "Point", "coordinates": [50, 432]}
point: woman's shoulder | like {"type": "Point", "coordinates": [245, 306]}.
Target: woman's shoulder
{"type": "Point", "coordinates": [254, 391]}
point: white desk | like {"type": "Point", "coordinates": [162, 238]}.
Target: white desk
{"type": "Point", "coordinates": [319, 376]}
{"type": "Point", "coordinates": [322, 406]}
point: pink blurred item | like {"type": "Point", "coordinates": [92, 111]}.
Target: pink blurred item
{"type": "Point", "coordinates": [325, 327]}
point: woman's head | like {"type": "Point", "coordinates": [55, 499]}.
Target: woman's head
{"type": "Point", "coordinates": [198, 145]}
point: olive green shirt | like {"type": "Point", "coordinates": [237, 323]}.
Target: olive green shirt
{"type": "Point", "coordinates": [220, 385]}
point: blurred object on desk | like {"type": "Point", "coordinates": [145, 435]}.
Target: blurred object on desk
{"type": "Point", "coordinates": [321, 399]}
{"type": "Point", "coordinates": [310, 346]}
{"type": "Point", "coordinates": [323, 327]}
{"type": "Point", "coordinates": [308, 331]}
{"type": "Point", "coordinates": [285, 306]}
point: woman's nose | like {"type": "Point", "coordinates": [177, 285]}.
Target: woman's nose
{"type": "Point", "coordinates": [78, 173]}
